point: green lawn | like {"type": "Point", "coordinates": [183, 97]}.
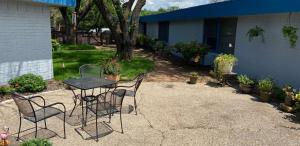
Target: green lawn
{"type": "Point", "coordinates": [72, 60]}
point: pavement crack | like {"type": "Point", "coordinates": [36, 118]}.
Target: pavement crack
{"type": "Point", "coordinates": [163, 137]}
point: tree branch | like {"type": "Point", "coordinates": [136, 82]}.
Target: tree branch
{"type": "Point", "coordinates": [108, 17]}
{"type": "Point", "coordinates": [135, 18]}
{"type": "Point", "coordinates": [81, 15]}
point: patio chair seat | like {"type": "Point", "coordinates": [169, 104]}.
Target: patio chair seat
{"type": "Point", "coordinates": [103, 108]}
{"type": "Point", "coordinates": [128, 93]}
{"type": "Point", "coordinates": [42, 114]}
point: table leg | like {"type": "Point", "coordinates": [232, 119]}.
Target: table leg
{"type": "Point", "coordinates": [82, 116]}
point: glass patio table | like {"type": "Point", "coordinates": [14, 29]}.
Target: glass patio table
{"type": "Point", "coordinates": [86, 84]}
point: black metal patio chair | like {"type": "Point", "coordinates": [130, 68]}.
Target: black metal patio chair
{"type": "Point", "coordinates": [43, 112]}
{"type": "Point", "coordinates": [91, 71]}
{"type": "Point", "coordinates": [131, 90]}
{"type": "Point", "coordinates": [108, 103]}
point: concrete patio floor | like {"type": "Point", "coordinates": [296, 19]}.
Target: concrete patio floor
{"type": "Point", "coordinates": [179, 114]}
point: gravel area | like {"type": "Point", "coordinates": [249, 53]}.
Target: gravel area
{"type": "Point", "coordinates": [173, 113]}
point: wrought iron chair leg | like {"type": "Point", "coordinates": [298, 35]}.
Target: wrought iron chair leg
{"type": "Point", "coordinates": [20, 124]}
{"type": "Point", "coordinates": [121, 121]}
{"type": "Point", "coordinates": [45, 124]}
{"type": "Point", "coordinates": [135, 106]}
{"type": "Point", "coordinates": [97, 138]}
{"type": "Point", "coordinates": [65, 125]}
{"type": "Point", "coordinates": [35, 136]}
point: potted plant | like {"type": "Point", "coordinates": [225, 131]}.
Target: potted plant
{"type": "Point", "coordinates": [290, 95]}
{"type": "Point", "coordinates": [265, 87]}
{"type": "Point", "coordinates": [193, 77]}
{"type": "Point", "coordinates": [246, 84]}
{"type": "Point", "coordinates": [224, 64]}
{"type": "Point", "coordinates": [112, 70]}
{"type": "Point", "coordinates": [256, 32]}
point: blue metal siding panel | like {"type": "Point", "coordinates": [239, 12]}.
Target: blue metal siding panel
{"type": "Point", "coordinates": [69, 3]}
{"type": "Point", "coordinates": [227, 9]}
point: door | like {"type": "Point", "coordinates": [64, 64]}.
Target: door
{"type": "Point", "coordinates": [211, 33]}
{"type": "Point", "coordinates": [163, 31]}
{"type": "Point", "coordinates": [227, 35]}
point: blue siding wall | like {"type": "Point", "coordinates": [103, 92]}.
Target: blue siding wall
{"type": "Point", "coordinates": [69, 3]}
{"type": "Point", "coordinates": [228, 9]}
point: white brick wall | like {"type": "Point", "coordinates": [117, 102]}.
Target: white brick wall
{"type": "Point", "coordinates": [25, 40]}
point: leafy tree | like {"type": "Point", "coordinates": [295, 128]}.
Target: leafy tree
{"type": "Point", "coordinates": [146, 12]}
{"type": "Point", "coordinates": [122, 17]}
{"type": "Point", "coordinates": [82, 9]}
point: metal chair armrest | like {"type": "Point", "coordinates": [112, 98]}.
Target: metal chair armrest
{"type": "Point", "coordinates": [37, 97]}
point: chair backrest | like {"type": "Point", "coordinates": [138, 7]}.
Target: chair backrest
{"type": "Point", "coordinates": [24, 105]}
{"type": "Point", "coordinates": [139, 81]}
{"type": "Point", "coordinates": [118, 96]}
{"type": "Point", "coordinates": [90, 70]}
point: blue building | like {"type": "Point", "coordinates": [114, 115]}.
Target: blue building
{"type": "Point", "coordinates": [25, 37]}
{"type": "Point", "coordinates": [225, 25]}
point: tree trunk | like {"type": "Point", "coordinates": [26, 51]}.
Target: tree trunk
{"type": "Point", "coordinates": [125, 50]}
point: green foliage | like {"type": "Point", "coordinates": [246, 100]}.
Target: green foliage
{"type": "Point", "coordinates": [223, 63]}
{"type": "Point", "coordinates": [245, 80]}
{"type": "Point", "coordinates": [55, 45]}
{"type": "Point", "coordinates": [290, 33]}
{"type": "Point", "coordinates": [256, 32]}
{"type": "Point", "coordinates": [78, 47]}
{"type": "Point", "coordinates": [111, 67]}
{"type": "Point", "coordinates": [279, 93]}
{"type": "Point", "coordinates": [28, 83]}
{"type": "Point", "coordinates": [226, 58]}
{"type": "Point", "coordinates": [191, 49]}
{"type": "Point", "coordinates": [36, 142]}
{"type": "Point", "coordinates": [194, 74]}
{"type": "Point", "coordinates": [6, 90]}
{"type": "Point", "coordinates": [265, 85]}
{"type": "Point", "coordinates": [146, 12]}
{"type": "Point", "coordinates": [160, 46]}
{"type": "Point", "coordinates": [297, 97]}
{"type": "Point", "coordinates": [145, 42]}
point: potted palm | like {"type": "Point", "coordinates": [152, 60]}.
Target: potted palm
{"type": "Point", "coordinates": [112, 70]}
{"type": "Point", "coordinates": [246, 84]}
{"type": "Point", "coordinates": [193, 77]}
{"type": "Point", "coordinates": [265, 87]}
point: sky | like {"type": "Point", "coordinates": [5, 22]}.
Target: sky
{"type": "Point", "coordinates": [156, 4]}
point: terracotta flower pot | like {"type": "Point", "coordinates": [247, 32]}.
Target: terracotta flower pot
{"type": "Point", "coordinates": [265, 96]}
{"type": "Point", "coordinates": [113, 77]}
{"type": "Point", "coordinates": [193, 80]}
{"type": "Point", "coordinates": [245, 89]}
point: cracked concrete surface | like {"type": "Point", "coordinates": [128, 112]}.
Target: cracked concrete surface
{"type": "Point", "coordinates": [181, 114]}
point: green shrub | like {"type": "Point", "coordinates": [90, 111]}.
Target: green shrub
{"type": "Point", "coordinates": [78, 47]}
{"type": "Point", "coordinates": [279, 93]}
{"type": "Point", "coordinates": [191, 49]}
{"type": "Point", "coordinates": [265, 85]}
{"type": "Point", "coordinates": [245, 80]}
{"type": "Point", "coordinates": [55, 45]}
{"type": "Point", "coordinates": [160, 46]}
{"type": "Point", "coordinates": [37, 142]}
{"type": "Point", "coordinates": [6, 90]}
{"type": "Point", "coordinates": [28, 83]}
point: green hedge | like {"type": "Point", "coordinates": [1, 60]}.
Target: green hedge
{"type": "Point", "coordinates": [28, 83]}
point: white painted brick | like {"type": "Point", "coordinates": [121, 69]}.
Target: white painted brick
{"type": "Point", "coordinates": [25, 40]}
